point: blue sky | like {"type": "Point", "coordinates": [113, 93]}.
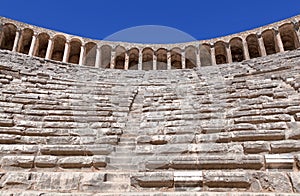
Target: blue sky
{"type": "Point", "coordinates": [98, 19]}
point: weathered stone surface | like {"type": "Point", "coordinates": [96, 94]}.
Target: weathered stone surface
{"type": "Point", "coordinates": [274, 182]}
{"type": "Point", "coordinates": [256, 147]}
{"type": "Point", "coordinates": [285, 146]}
{"type": "Point", "coordinates": [45, 161]}
{"type": "Point", "coordinates": [75, 162]}
{"type": "Point", "coordinates": [76, 130]}
{"type": "Point", "coordinates": [295, 178]}
{"type": "Point", "coordinates": [226, 179]}
{"type": "Point", "coordinates": [154, 179]}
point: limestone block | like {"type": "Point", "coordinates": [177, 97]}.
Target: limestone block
{"type": "Point", "coordinates": [156, 162]}
{"type": "Point", "coordinates": [221, 179]}
{"type": "Point", "coordinates": [18, 149]}
{"type": "Point", "coordinates": [263, 119]}
{"type": "Point", "coordinates": [279, 161]}
{"type": "Point", "coordinates": [45, 161]}
{"type": "Point", "coordinates": [185, 162]}
{"type": "Point", "coordinates": [75, 150]}
{"type": "Point", "coordinates": [6, 122]}
{"type": "Point", "coordinates": [16, 180]}
{"type": "Point", "coordinates": [274, 182]}
{"type": "Point", "coordinates": [92, 182]}
{"type": "Point", "coordinates": [241, 127]}
{"type": "Point", "coordinates": [75, 162]}
{"type": "Point", "coordinates": [294, 130]}
{"type": "Point", "coordinates": [110, 139]}
{"type": "Point", "coordinates": [256, 147]}
{"type": "Point", "coordinates": [10, 162]}
{"type": "Point", "coordinates": [58, 181]}
{"type": "Point", "coordinates": [231, 161]}
{"type": "Point", "coordinates": [293, 109]}
{"type": "Point", "coordinates": [9, 139]}
{"type": "Point", "coordinates": [153, 179]}
{"type": "Point", "coordinates": [188, 178]}
{"type": "Point", "coordinates": [258, 135]}
{"type": "Point", "coordinates": [285, 146]}
{"type": "Point", "coordinates": [295, 178]}
{"type": "Point", "coordinates": [99, 161]}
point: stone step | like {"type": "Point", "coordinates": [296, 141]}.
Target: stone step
{"type": "Point", "coordinates": [118, 177]}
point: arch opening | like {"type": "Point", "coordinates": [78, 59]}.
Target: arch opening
{"type": "Point", "coordinates": [41, 45]}
{"type": "Point", "coordinates": [58, 48]}
{"type": "Point", "coordinates": [8, 35]}
{"type": "Point", "coordinates": [120, 57]}
{"type": "Point", "coordinates": [269, 42]}
{"type": "Point", "coordinates": [147, 59]}
{"type": "Point", "coordinates": [25, 41]}
{"type": "Point", "coordinates": [161, 55]}
{"type": "Point", "coordinates": [289, 37]}
{"type": "Point", "coordinates": [74, 54]}
{"type": "Point", "coordinates": [133, 59]}
{"type": "Point", "coordinates": [176, 58]}
{"type": "Point", "coordinates": [237, 51]}
{"type": "Point", "coordinates": [90, 54]}
{"type": "Point", "coordinates": [190, 57]}
{"type": "Point", "coordinates": [105, 56]}
{"type": "Point", "coordinates": [221, 54]}
{"type": "Point", "coordinates": [205, 55]}
{"type": "Point", "coordinates": [253, 46]}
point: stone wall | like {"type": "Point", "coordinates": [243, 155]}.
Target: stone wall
{"type": "Point", "coordinates": [230, 129]}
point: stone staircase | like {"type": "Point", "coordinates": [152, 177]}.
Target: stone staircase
{"type": "Point", "coordinates": [220, 130]}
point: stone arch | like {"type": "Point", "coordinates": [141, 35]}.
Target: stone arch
{"type": "Point", "coordinates": [205, 55]}
{"type": "Point", "coordinates": [58, 47]}
{"type": "Point", "coordinates": [74, 53]}
{"type": "Point", "coordinates": [289, 37]}
{"type": "Point", "coordinates": [190, 57]}
{"type": "Point", "coordinates": [8, 35]}
{"type": "Point", "coordinates": [120, 57]}
{"type": "Point", "coordinates": [221, 54]}
{"type": "Point", "coordinates": [237, 51]}
{"type": "Point", "coordinates": [90, 54]}
{"type": "Point", "coordinates": [162, 60]}
{"type": "Point", "coordinates": [176, 58]}
{"type": "Point", "coordinates": [25, 41]}
{"type": "Point", "coordinates": [147, 58]}
{"type": "Point", "coordinates": [253, 46]}
{"type": "Point", "coordinates": [133, 54]}
{"type": "Point", "coordinates": [105, 56]}
{"type": "Point", "coordinates": [41, 45]}
{"type": "Point", "coordinates": [270, 42]}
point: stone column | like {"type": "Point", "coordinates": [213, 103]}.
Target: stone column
{"type": "Point", "coordinates": [1, 36]}
{"type": "Point", "coordinates": [154, 61]}
{"type": "Point", "coordinates": [198, 57]}
{"type": "Point", "coordinates": [169, 62]}
{"type": "Point", "coordinates": [66, 51]}
{"type": "Point", "coordinates": [245, 49]}
{"type": "Point", "coordinates": [183, 59]}
{"type": "Point", "coordinates": [261, 45]}
{"type": "Point", "coordinates": [17, 37]}
{"type": "Point", "coordinates": [32, 46]}
{"type": "Point", "coordinates": [140, 63]}
{"type": "Point", "coordinates": [228, 52]}
{"type": "Point", "coordinates": [213, 54]}
{"type": "Point", "coordinates": [126, 66]}
{"type": "Point", "coordinates": [98, 56]}
{"type": "Point", "coordinates": [81, 57]}
{"type": "Point", "coordinates": [278, 40]}
{"type": "Point", "coordinates": [49, 49]}
{"type": "Point", "coordinates": [112, 59]}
